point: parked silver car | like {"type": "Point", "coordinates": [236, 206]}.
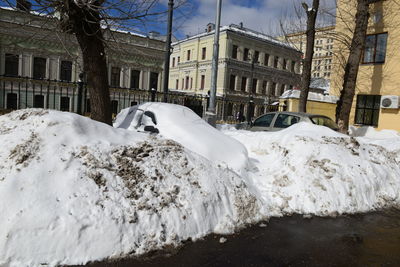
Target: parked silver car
{"type": "Point", "coordinates": [275, 121]}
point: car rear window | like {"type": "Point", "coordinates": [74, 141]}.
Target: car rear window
{"type": "Point", "coordinates": [285, 120]}
{"type": "Point", "coordinates": [264, 121]}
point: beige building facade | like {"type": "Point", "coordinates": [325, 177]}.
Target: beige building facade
{"type": "Point", "coordinates": [252, 68]}
{"type": "Point", "coordinates": [40, 66]}
{"type": "Point", "coordinates": [376, 101]}
{"type": "Point", "coordinates": [323, 49]}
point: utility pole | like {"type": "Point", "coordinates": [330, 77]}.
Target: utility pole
{"type": "Point", "coordinates": [211, 117]}
{"type": "Point", "coordinates": [168, 49]}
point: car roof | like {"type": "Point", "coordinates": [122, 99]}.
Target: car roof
{"type": "Point", "coordinates": [297, 114]}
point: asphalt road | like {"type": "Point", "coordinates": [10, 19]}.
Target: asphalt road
{"type": "Point", "coordinates": [371, 239]}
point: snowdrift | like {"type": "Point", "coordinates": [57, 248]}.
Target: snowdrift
{"type": "Point", "coordinates": [73, 190]}
{"type": "Point", "coordinates": [310, 169]}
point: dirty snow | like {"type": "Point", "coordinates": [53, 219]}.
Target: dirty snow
{"type": "Point", "coordinates": [73, 190]}
{"type": "Point", "coordinates": [310, 169]}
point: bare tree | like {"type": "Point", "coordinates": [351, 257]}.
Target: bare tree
{"type": "Point", "coordinates": [307, 62]}
{"type": "Point", "coordinates": [87, 20]}
{"type": "Point", "coordinates": [352, 66]}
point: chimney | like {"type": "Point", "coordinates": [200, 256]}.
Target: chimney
{"type": "Point", "coordinates": [154, 35]}
{"type": "Point", "coordinates": [24, 5]}
{"type": "Point", "coordinates": [210, 27]}
{"type": "Point", "coordinates": [241, 25]}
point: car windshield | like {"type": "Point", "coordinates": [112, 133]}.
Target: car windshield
{"type": "Point", "coordinates": [324, 121]}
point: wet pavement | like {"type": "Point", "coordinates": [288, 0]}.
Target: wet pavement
{"type": "Point", "coordinates": [371, 239]}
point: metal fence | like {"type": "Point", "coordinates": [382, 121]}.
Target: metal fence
{"type": "Point", "coordinates": [20, 93]}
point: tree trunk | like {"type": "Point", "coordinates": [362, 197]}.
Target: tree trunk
{"type": "Point", "coordinates": [345, 102]}
{"type": "Point", "coordinates": [307, 62]}
{"type": "Point", "coordinates": [85, 24]}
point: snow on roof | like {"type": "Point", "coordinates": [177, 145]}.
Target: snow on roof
{"type": "Point", "coordinates": [243, 31]}
{"type": "Point", "coordinates": [311, 96]}
{"type": "Point", "coordinates": [320, 83]}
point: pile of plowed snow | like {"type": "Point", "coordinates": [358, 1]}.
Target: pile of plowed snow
{"type": "Point", "coordinates": [310, 169]}
{"type": "Point", "coordinates": [74, 190]}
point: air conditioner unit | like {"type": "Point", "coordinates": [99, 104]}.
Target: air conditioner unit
{"type": "Point", "coordinates": [390, 101]}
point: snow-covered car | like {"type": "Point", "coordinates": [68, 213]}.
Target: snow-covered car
{"type": "Point", "coordinates": [275, 121]}
{"type": "Point", "coordinates": [182, 125]}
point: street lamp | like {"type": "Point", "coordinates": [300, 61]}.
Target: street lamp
{"type": "Point", "coordinates": [80, 92]}
{"type": "Point", "coordinates": [153, 94]}
{"type": "Point", "coordinates": [249, 109]}
{"type": "Point", "coordinates": [266, 104]}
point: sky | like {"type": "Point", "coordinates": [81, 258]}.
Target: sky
{"type": "Point", "coordinates": [260, 15]}
{"type": "Point", "coordinates": [192, 17]}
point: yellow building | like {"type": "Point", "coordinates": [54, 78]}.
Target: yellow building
{"type": "Point", "coordinates": [317, 103]}
{"type": "Point", "coordinates": [253, 68]}
{"type": "Point", "coordinates": [376, 102]}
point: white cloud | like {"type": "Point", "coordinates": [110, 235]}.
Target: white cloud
{"type": "Point", "coordinates": [260, 15]}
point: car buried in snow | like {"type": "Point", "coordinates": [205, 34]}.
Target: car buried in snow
{"type": "Point", "coordinates": [276, 121]}
{"type": "Point", "coordinates": [182, 125]}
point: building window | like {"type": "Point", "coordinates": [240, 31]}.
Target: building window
{"type": "Point", "coordinates": [66, 70]}
{"type": "Point", "coordinates": [276, 60]}
{"type": "Point", "coordinates": [202, 81]}
{"type": "Point", "coordinates": [179, 60]}
{"type": "Point", "coordinates": [232, 82]}
{"type": "Point", "coordinates": [173, 62]}
{"type": "Point", "coordinates": [264, 87]}
{"type": "Point", "coordinates": [292, 66]}
{"type": "Point", "coordinates": [133, 103]}
{"type": "Point", "coordinates": [246, 54]}
{"type": "Point", "coordinates": [114, 106]}
{"type": "Point", "coordinates": [115, 76]}
{"type": "Point", "coordinates": [375, 48]}
{"type": "Point", "coordinates": [273, 89]}
{"type": "Point", "coordinates": [38, 101]}
{"type": "Point", "coordinates": [188, 55]}
{"type": "Point", "coordinates": [234, 51]}
{"type": "Point", "coordinates": [256, 56]}
{"type": "Point", "coordinates": [203, 53]}
{"type": "Point", "coordinates": [12, 99]}
{"type": "Point", "coordinates": [135, 77]}
{"type": "Point", "coordinates": [266, 59]}
{"type": "Point", "coordinates": [183, 83]}
{"type": "Point", "coordinates": [39, 68]}
{"type": "Point", "coordinates": [177, 84]}
{"type": "Point", "coordinates": [191, 83]}
{"type": "Point", "coordinates": [282, 90]}
{"type": "Point", "coordinates": [284, 64]}
{"type": "Point", "coordinates": [187, 83]}
{"type": "Point", "coordinates": [153, 80]}
{"type": "Point", "coordinates": [244, 84]}
{"type": "Point", "coordinates": [254, 86]}
{"type": "Point", "coordinates": [11, 65]}
{"type": "Point", "coordinates": [64, 103]}
{"type": "Point", "coordinates": [367, 110]}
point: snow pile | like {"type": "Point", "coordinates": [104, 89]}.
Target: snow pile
{"type": "Point", "coordinates": [311, 96]}
{"type": "Point", "coordinates": [182, 125]}
{"type": "Point", "coordinates": [390, 139]}
{"type": "Point", "coordinates": [310, 169]}
{"type": "Point", "coordinates": [73, 190]}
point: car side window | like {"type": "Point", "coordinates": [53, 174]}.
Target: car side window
{"type": "Point", "coordinates": [285, 120]}
{"type": "Point", "coordinates": [264, 121]}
